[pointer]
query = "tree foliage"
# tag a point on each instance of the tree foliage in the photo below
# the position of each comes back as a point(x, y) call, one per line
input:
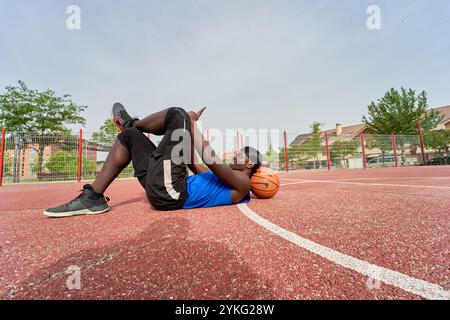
point(63, 162)
point(107, 134)
point(41, 112)
point(7, 164)
point(271, 155)
point(382, 142)
point(438, 140)
point(313, 147)
point(398, 111)
point(296, 154)
point(339, 150)
point(26, 110)
point(314, 144)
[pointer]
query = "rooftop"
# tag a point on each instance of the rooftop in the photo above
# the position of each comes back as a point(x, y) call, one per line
point(352, 131)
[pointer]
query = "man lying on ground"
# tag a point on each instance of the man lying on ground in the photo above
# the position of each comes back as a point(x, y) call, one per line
point(162, 170)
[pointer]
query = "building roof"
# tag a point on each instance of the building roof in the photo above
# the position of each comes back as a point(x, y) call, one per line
point(350, 132)
point(300, 139)
point(445, 112)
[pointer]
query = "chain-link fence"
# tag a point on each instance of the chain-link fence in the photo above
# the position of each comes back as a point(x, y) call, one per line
point(353, 151)
point(29, 157)
point(358, 151)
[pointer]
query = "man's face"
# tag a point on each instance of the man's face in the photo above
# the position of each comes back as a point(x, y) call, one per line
point(240, 161)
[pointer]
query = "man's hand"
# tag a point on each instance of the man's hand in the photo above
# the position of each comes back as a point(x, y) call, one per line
point(196, 115)
point(238, 181)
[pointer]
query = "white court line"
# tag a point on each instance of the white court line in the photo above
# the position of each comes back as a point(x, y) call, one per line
point(371, 178)
point(299, 181)
point(416, 286)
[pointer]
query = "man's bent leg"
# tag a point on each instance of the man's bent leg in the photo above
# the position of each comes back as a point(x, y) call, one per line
point(154, 123)
point(130, 145)
point(167, 172)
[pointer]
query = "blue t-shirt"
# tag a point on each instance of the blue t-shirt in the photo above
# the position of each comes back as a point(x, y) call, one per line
point(207, 190)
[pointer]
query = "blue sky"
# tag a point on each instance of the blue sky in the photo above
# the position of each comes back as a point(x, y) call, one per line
point(254, 64)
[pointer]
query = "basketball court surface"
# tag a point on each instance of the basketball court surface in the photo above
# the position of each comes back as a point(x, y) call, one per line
point(344, 234)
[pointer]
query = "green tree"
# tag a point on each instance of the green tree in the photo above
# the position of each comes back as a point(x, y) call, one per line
point(66, 163)
point(438, 140)
point(7, 164)
point(271, 155)
point(313, 147)
point(70, 142)
point(41, 112)
point(339, 150)
point(62, 162)
point(106, 135)
point(296, 155)
point(382, 142)
point(398, 112)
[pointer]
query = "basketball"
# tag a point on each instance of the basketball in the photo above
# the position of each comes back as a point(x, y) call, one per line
point(265, 183)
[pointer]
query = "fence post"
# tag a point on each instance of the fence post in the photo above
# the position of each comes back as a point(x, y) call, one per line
point(238, 140)
point(363, 151)
point(241, 139)
point(328, 151)
point(422, 148)
point(394, 145)
point(80, 155)
point(286, 155)
point(2, 154)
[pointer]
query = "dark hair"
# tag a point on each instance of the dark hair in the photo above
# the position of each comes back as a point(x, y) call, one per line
point(255, 157)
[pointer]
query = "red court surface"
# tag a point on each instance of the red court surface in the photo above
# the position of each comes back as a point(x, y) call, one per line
point(344, 234)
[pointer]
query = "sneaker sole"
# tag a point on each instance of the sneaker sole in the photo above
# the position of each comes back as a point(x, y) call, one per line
point(73, 213)
point(114, 119)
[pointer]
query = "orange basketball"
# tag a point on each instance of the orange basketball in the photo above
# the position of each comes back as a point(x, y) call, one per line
point(265, 183)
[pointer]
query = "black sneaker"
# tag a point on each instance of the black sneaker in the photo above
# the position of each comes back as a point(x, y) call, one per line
point(88, 202)
point(121, 117)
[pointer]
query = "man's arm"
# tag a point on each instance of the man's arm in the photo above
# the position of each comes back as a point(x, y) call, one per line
point(195, 165)
point(238, 181)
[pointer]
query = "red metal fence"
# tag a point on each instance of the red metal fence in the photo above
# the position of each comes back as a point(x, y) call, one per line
point(355, 152)
point(30, 157)
point(2, 154)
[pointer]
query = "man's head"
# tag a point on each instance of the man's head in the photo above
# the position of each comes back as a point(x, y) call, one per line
point(247, 159)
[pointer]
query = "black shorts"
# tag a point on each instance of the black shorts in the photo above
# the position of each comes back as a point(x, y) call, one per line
point(162, 170)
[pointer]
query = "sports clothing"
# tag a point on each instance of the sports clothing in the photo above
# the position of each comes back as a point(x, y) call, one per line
point(162, 174)
point(166, 182)
point(207, 190)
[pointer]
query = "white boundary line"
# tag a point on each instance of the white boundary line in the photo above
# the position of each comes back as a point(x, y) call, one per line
point(370, 178)
point(416, 286)
point(300, 181)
